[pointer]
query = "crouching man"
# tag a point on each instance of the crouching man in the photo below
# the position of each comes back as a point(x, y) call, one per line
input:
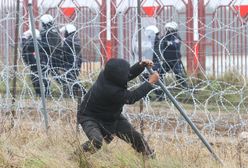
point(100, 111)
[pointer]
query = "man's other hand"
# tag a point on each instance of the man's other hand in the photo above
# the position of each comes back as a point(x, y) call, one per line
point(146, 63)
point(153, 78)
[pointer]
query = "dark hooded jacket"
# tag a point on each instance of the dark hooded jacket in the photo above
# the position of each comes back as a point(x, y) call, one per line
point(106, 98)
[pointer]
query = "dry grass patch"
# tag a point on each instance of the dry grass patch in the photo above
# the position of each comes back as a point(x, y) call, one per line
point(26, 147)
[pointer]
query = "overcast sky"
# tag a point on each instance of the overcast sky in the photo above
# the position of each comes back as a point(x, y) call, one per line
point(177, 3)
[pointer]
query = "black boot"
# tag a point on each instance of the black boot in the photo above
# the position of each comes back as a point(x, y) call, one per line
point(88, 147)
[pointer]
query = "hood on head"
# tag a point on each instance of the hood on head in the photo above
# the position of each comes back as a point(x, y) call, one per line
point(117, 71)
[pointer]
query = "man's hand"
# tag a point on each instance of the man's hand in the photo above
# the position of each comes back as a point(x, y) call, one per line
point(153, 78)
point(146, 63)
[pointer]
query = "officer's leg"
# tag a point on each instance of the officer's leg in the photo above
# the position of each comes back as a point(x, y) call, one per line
point(180, 76)
point(125, 131)
point(45, 72)
point(157, 67)
point(56, 67)
point(162, 71)
point(35, 79)
point(73, 78)
point(64, 82)
point(36, 84)
point(77, 89)
point(69, 79)
point(55, 72)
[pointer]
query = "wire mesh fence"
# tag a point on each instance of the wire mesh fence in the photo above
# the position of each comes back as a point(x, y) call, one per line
point(216, 100)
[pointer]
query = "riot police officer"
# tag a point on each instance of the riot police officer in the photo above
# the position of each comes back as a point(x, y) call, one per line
point(28, 55)
point(72, 60)
point(51, 45)
point(167, 55)
point(170, 50)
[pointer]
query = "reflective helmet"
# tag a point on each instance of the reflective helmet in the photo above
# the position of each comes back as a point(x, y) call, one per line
point(152, 28)
point(46, 19)
point(62, 29)
point(28, 33)
point(171, 26)
point(69, 28)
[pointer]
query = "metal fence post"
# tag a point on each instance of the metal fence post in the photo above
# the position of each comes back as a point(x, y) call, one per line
point(13, 112)
point(6, 64)
point(120, 35)
point(189, 37)
point(37, 56)
point(140, 58)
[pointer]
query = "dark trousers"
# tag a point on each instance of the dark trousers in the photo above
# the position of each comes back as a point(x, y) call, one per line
point(56, 68)
point(159, 92)
point(72, 85)
point(35, 79)
point(66, 76)
point(177, 67)
point(98, 132)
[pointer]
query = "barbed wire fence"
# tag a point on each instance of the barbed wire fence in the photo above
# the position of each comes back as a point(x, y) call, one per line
point(218, 107)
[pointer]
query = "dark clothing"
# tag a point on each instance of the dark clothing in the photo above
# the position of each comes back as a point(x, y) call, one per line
point(51, 46)
point(166, 49)
point(97, 132)
point(29, 59)
point(71, 85)
point(71, 49)
point(28, 51)
point(157, 56)
point(51, 53)
point(107, 96)
point(51, 41)
point(100, 111)
point(177, 68)
point(72, 61)
point(169, 47)
point(28, 54)
point(157, 52)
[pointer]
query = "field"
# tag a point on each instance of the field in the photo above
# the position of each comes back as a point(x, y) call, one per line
point(218, 109)
point(28, 145)
point(211, 37)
